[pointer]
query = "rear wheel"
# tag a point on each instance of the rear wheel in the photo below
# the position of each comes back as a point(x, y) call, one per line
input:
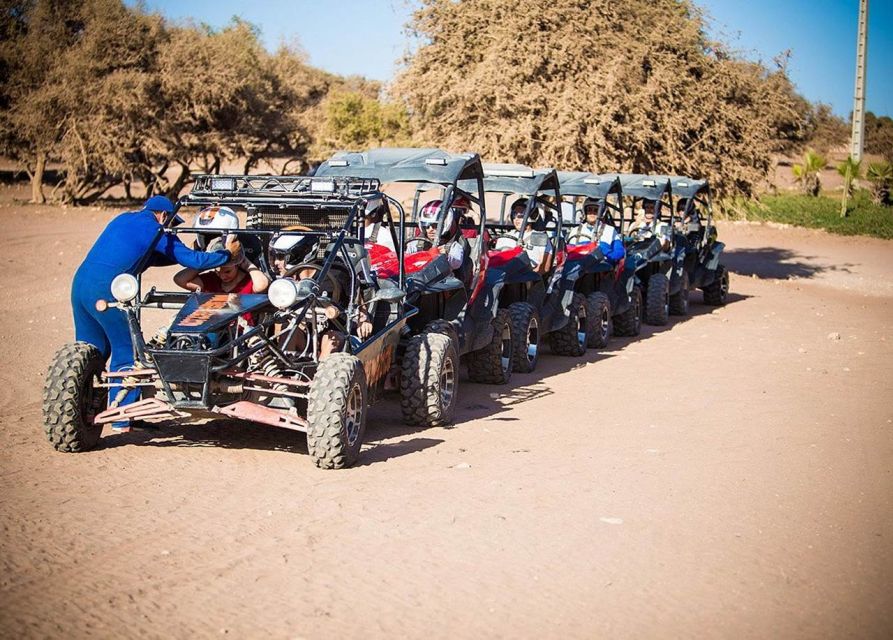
point(679, 300)
point(525, 336)
point(429, 380)
point(571, 340)
point(600, 325)
point(717, 292)
point(493, 363)
point(71, 400)
point(629, 323)
point(657, 300)
point(336, 411)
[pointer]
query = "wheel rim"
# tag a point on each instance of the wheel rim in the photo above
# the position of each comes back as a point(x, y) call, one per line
point(506, 352)
point(447, 383)
point(582, 338)
point(533, 340)
point(605, 324)
point(354, 415)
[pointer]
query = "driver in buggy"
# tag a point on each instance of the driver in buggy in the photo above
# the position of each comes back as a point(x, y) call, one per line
point(536, 243)
point(603, 231)
point(451, 243)
point(297, 256)
point(647, 226)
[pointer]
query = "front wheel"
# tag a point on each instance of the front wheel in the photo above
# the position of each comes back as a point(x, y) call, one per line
point(71, 399)
point(336, 411)
point(429, 380)
point(679, 300)
point(599, 320)
point(657, 300)
point(525, 336)
point(493, 363)
point(629, 323)
point(717, 292)
point(571, 340)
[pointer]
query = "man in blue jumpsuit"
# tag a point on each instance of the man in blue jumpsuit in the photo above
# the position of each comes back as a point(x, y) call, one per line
point(121, 248)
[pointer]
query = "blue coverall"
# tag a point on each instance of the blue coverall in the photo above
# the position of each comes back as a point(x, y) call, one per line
point(119, 249)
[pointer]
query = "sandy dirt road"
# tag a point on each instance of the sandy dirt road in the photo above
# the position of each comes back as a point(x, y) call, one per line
point(729, 475)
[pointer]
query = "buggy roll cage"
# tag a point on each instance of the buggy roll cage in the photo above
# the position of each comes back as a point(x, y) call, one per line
point(428, 166)
point(517, 179)
point(694, 192)
point(580, 184)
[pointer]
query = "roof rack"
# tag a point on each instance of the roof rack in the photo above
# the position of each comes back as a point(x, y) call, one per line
point(235, 187)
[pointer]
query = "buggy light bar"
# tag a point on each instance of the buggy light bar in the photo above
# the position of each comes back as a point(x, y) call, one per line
point(649, 183)
point(682, 184)
point(223, 184)
point(438, 162)
point(591, 181)
point(338, 163)
point(510, 173)
point(322, 186)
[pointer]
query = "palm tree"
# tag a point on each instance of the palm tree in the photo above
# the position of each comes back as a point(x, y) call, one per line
point(849, 169)
point(880, 175)
point(808, 173)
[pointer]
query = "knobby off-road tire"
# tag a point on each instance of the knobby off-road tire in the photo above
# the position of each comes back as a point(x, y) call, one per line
point(679, 300)
point(429, 380)
point(525, 336)
point(336, 411)
point(717, 292)
point(657, 300)
point(600, 324)
point(571, 340)
point(493, 363)
point(70, 401)
point(629, 323)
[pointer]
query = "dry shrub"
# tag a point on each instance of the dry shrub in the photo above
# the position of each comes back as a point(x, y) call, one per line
point(599, 85)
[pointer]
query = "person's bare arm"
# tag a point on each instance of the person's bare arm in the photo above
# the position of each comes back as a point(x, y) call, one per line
point(188, 279)
point(259, 280)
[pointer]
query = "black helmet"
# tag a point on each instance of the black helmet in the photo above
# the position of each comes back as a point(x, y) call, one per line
point(296, 248)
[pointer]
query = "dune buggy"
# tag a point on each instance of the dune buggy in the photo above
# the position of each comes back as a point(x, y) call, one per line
point(459, 304)
point(611, 289)
point(697, 239)
point(211, 361)
point(658, 268)
point(539, 303)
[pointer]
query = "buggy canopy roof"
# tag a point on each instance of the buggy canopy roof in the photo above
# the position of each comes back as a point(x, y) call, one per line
point(404, 165)
point(516, 178)
point(591, 185)
point(684, 187)
point(642, 186)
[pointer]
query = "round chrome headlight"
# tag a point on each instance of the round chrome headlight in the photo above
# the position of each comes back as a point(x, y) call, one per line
point(125, 287)
point(283, 293)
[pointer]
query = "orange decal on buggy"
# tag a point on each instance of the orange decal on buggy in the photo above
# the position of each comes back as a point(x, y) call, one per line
point(205, 312)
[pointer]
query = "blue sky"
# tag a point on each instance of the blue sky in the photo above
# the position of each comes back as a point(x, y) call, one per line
point(366, 37)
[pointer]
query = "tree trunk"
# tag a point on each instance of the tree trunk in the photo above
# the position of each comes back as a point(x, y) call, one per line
point(174, 191)
point(37, 196)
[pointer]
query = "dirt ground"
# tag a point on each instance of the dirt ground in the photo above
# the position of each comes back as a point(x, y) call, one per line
point(729, 475)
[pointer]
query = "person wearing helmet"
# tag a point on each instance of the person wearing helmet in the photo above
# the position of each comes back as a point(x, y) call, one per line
point(450, 243)
point(213, 218)
point(537, 244)
point(130, 243)
point(242, 277)
point(603, 231)
point(648, 225)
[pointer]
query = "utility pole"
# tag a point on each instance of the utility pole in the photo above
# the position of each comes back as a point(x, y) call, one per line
point(859, 98)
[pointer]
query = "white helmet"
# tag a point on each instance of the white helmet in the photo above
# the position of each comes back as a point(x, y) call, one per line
point(430, 214)
point(214, 217)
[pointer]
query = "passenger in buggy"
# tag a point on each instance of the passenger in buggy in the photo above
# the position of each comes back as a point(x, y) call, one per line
point(604, 232)
point(451, 243)
point(536, 243)
point(646, 226)
point(376, 230)
point(290, 251)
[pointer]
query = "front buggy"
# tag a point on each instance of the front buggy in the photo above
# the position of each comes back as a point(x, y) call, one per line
point(457, 303)
point(252, 357)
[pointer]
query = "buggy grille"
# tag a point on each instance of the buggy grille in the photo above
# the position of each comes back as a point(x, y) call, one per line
point(319, 219)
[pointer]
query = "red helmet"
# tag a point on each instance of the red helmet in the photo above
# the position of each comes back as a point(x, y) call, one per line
point(461, 203)
point(430, 214)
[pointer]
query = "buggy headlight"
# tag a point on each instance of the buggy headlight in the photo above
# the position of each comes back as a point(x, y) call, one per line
point(283, 293)
point(125, 287)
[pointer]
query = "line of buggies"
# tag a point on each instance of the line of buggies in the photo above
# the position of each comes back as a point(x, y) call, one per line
point(402, 242)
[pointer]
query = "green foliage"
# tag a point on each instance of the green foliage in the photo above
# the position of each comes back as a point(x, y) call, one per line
point(880, 175)
point(807, 173)
point(356, 121)
point(865, 217)
point(879, 135)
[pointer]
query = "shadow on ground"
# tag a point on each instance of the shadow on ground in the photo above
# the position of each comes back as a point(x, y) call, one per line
point(780, 264)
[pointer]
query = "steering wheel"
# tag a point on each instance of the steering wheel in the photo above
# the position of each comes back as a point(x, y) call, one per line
point(429, 243)
point(337, 289)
